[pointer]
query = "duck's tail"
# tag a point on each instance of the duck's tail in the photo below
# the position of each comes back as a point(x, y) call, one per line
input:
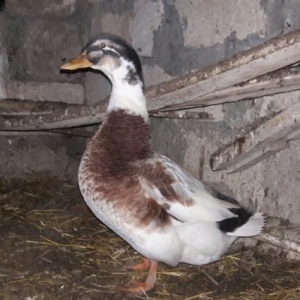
point(248, 222)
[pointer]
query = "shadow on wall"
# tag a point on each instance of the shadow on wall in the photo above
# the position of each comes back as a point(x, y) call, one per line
point(2, 5)
point(3, 57)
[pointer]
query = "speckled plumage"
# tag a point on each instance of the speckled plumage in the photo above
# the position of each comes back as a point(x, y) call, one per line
point(163, 212)
point(138, 193)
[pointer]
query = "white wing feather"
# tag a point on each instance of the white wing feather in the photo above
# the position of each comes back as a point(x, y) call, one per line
point(204, 206)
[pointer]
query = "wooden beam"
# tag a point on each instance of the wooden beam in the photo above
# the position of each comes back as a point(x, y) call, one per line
point(77, 132)
point(280, 81)
point(284, 237)
point(268, 138)
point(30, 115)
point(183, 114)
point(268, 57)
point(214, 85)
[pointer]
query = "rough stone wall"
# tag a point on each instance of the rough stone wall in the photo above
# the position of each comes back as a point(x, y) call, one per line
point(176, 36)
point(36, 36)
point(42, 34)
point(3, 58)
point(43, 153)
point(195, 34)
point(172, 37)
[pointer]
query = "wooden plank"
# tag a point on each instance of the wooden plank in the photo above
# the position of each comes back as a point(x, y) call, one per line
point(285, 237)
point(270, 56)
point(280, 81)
point(183, 114)
point(30, 115)
point(183, 91)
point(77, 132)
point(268, 138)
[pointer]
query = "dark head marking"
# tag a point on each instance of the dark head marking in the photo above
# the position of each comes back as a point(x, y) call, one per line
point(115, 46)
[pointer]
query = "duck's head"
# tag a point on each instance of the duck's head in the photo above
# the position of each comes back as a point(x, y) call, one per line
point(120, 63)
point(113, 56)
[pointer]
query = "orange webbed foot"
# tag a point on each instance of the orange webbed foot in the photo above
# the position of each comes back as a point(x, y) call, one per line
point(136, 288)
point(144, 265)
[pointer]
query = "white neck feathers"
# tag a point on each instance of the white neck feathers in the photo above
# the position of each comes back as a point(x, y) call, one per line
point(125, 95)
point(130, 98)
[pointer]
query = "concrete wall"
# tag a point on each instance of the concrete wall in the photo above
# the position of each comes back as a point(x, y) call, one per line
point(176, 36)
point(36, 36)
point(57, 155)
point(42, 34)
point(201, 33)
point(3, 58)
point(172, 37)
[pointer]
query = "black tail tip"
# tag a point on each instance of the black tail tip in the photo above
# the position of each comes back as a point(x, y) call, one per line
point(231, 224)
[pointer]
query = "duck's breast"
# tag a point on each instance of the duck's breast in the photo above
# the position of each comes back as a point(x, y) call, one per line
point(121, 204)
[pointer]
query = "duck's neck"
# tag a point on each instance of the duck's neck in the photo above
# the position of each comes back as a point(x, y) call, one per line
point(122, 139)
point(124, 135)
point(129, 98)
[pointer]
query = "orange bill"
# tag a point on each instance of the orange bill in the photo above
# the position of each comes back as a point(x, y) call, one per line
point(78, 62)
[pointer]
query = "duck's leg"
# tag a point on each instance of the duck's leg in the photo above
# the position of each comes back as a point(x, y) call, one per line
point(135, 288)
point(144, 265)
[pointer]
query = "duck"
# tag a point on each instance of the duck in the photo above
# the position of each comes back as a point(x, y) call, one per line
point(158, 208)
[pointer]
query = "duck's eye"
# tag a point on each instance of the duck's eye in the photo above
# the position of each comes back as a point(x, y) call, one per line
point(103, 45)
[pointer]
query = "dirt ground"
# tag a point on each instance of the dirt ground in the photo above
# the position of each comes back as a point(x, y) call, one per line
point(52, 247)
